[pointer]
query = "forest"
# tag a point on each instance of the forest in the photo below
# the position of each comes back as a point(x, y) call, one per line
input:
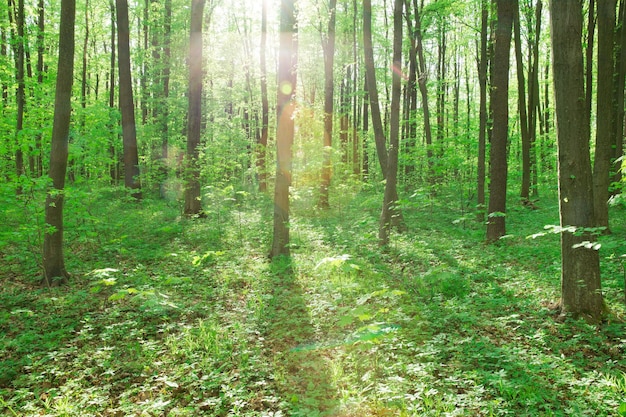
point(312, 208)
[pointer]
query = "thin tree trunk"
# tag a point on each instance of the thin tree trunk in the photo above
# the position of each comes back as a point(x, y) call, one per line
point(193, 197)
point(521, 104)
point(129, 130)
point(372, 89)
point(591, 30)
point(391, 195)
point(265, 109)
point(482, 128)
point(422, 80)
point(496, 225)
point(114, 164)
point(329, 95)
point(20, 76)
point(83, 83)
point(533, 99)
point(411, 96)
point(285, 130)
point(53, 258)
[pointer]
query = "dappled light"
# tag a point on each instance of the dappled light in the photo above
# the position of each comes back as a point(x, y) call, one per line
point(274, 208)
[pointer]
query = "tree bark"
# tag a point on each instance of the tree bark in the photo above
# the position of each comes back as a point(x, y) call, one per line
point(20, 77)
point(422, 81)
point(329, 95)
point(580, 274)
point(372, 89)
point(496, 225)
point(53, 258)
point(129, 129)
point(286, 94)
point(391, 195)
point(482, 128)
point(265, 109)
point(604, 113)
point(193, 197)
point(523, 114)
point(620, 81)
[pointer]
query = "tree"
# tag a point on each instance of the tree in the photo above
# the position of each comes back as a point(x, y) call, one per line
point(193, 199)
point(329, 95)
point(391, 194)
point(580, 265)
point(53, 259)
point(422, 81)
point(129, 129)
point(285, 127)
point(523, 112)
point(482, 128)
point(265, 108)
point(500, 101)
point(372, 89)
point(18, 43)
point(604, 121)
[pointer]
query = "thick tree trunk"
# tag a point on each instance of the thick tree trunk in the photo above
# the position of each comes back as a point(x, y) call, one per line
point(496, 225)
point(329, 95)
point(287, 65)
point(193, 197)
point(53, 259)
point(580, 274)
point(129, 129)
point(604, 117)
point(391, 195)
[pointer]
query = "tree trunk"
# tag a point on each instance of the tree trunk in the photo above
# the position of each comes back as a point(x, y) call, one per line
point(53, 259)
point(533, 98)
point(20, 77)
point(329, 95)
point(411, 96)
point(114, 168)
point(580, 273)
point(129, 130)
point(482, 128)
point(287, 65)
point(591, 30)
point(372, 89)
point(265, 108)
point(422, 80)
point(604, 114)
point(83, 83)
point(496, 226)
point(391, 195)
point(620, 81)
point(193, 197)
point(523, 114)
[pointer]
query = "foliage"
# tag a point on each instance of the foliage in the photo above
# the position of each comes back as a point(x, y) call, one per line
point(166, 314)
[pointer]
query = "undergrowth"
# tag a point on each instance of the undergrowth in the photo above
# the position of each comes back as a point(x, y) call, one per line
point(173, 316)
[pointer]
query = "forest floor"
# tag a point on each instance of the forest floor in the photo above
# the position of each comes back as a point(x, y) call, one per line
point(169, 316)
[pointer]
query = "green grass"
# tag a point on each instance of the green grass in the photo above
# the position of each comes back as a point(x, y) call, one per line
point(173, 316)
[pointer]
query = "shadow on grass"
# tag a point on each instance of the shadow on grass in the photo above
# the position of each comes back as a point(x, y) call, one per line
point(302, 375)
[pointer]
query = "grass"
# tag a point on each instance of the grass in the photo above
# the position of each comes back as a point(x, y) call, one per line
point(173, 316)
